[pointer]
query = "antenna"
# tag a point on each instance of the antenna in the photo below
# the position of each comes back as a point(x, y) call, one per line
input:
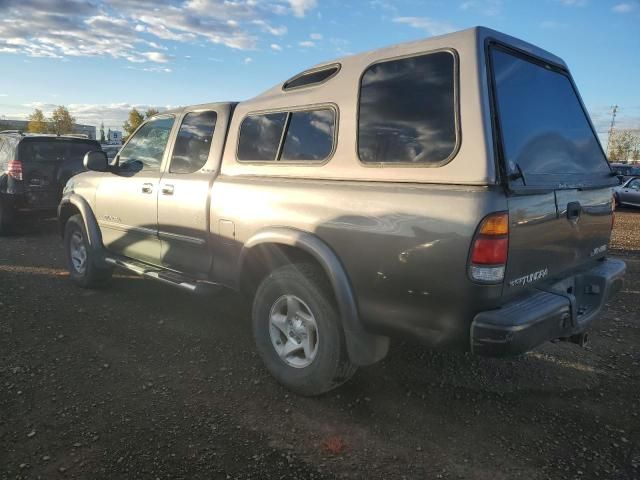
point(614, 111)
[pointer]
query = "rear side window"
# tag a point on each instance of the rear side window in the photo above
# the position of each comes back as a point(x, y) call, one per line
point(288, 136)
point(309, 136)
point(194, 142)
point(260, 136)
point(544, 130)
point(407, 111)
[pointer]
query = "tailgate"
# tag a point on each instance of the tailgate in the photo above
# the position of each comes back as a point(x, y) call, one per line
point(48, 162)
point(558, 178)
point(555, 232)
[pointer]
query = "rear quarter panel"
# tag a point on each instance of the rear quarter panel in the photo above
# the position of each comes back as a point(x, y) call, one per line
point(404, 246)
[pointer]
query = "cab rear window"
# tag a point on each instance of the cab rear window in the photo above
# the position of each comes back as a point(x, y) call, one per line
point(545, 132)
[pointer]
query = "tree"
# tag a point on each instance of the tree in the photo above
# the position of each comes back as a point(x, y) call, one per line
point(623, 145)
point(151, 112)
point(102, 139)
point(62, 121)
point(37, 122)
point(134, 121)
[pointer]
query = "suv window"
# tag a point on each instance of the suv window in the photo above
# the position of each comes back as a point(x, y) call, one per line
point(145, 149)
point(194, 142)
point(544, 129)
point(407, 110)
point(309, 136)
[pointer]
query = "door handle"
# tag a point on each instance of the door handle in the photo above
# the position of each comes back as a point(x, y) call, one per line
point(574, 209)
point(147, 188)
point(167, 189)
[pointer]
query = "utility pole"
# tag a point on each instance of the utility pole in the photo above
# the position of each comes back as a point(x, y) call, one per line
point(614, 111)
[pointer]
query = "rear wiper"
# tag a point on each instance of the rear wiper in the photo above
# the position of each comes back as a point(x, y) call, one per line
point(518, 174)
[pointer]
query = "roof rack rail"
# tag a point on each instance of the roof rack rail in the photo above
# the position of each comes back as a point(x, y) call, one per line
point(75, 135)
point(19, 132)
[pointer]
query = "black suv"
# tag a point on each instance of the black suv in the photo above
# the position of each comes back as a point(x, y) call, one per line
point(33, 171)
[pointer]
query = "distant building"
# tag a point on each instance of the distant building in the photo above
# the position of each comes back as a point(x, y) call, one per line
point(114, 137)
point(22, 125)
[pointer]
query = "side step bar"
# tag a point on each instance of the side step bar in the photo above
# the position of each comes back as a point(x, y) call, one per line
point(165, 276)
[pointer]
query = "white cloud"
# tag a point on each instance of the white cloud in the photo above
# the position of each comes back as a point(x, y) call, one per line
point(155, 57)
point(307, 44)
point(4, 94)
point(300, 7)
point(316, 36)
point(574, 3)
point(247, 60)
point(276, 47)
point(432, 27)
point(279, 31)
point(624, 7)
point(127, 30)
point(552, 25)
point(485, 7)
point(112, 114)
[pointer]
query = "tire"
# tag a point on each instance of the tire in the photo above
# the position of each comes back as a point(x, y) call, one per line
point(289, 295)
point(85, 274)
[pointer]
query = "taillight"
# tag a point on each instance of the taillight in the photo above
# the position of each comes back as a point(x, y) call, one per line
point(488, 256)
point(15, 169)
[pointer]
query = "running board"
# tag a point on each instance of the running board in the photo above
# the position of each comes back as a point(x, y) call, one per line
point(165, 276)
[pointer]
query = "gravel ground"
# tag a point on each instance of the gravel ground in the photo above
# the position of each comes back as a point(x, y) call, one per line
point(142, 381)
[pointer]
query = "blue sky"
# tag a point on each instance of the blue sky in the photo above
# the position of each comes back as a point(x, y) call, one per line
point(99, 58)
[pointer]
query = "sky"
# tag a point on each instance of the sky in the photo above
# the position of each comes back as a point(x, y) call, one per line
point(100, 58)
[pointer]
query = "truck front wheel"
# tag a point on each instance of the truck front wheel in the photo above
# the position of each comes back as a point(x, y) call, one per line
point(80, 258)
point(298, 332)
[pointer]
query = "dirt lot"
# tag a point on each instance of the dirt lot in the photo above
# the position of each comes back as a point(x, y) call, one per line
point(141, 381)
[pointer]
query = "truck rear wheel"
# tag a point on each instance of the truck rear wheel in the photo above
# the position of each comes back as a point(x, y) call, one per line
point(298, 331)
point(80, 258)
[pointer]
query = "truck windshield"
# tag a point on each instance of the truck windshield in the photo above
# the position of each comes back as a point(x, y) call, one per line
point(546, 135)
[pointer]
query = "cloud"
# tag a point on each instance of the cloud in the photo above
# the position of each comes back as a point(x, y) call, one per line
point(276, 47)
point(112, 114)
point(574, 3)
point(247, 60)
point(432, 27)
point(128, 30)
point(490, 8)
point(279, 31)
point(624, 7)
point(307, 44)
point(316, 36)
point(155, 57)
point(300, 7)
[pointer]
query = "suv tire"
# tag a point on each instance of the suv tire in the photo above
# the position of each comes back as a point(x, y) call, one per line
point(80, 258)
point(298, 331)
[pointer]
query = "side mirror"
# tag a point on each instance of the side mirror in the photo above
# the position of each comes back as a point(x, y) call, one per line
point(96, 161)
